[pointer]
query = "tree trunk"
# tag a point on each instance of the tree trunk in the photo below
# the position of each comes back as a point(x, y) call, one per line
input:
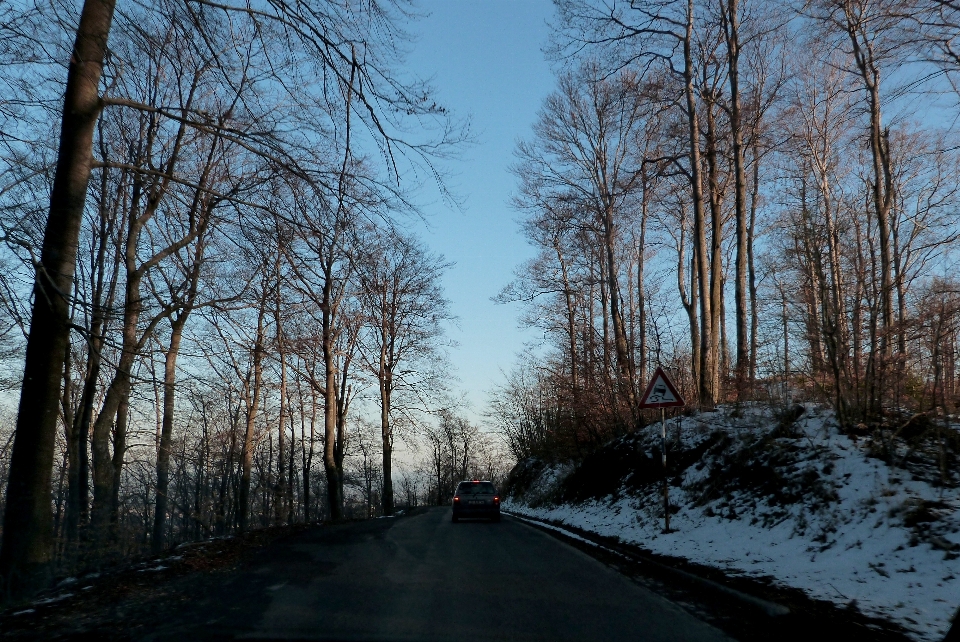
point(72, 439)
point(308, 455)
point(116, 462)
point(200, 524)
point(253, 404)
point(716, 249)
point(27, 547)
point(334, 496)
point(626, 377)
point(882, 184)
point(292, 478)
point(605, 311)
point(279, 489)
point(641, 291)
point(752, 272)
point(57, 520)
point(571, 325)
point(166, 432)
point(689, 302)
point(386, 434)
point(707, 388)
point(107, 468)
point(343, 408)
point(786, 349)
point(731, 20)
point(85, 416)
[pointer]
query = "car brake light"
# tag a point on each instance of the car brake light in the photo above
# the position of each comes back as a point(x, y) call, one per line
point(456, 499)
point(496, 500)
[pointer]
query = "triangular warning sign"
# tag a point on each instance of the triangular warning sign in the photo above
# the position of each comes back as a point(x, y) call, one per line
point(661, 393)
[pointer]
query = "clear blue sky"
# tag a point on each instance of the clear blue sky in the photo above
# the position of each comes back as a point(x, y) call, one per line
point(486, 61)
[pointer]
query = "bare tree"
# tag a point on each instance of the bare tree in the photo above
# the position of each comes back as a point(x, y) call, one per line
point(584, 155)
point(404, 309)
point(184, 299)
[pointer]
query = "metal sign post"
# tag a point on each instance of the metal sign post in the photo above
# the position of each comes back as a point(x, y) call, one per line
point(666, 486)
point(661, 393)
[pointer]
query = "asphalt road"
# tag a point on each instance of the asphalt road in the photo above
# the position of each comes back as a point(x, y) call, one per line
point(422, 577)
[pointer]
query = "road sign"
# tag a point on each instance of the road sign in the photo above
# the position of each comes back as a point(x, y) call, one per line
point(661, 393)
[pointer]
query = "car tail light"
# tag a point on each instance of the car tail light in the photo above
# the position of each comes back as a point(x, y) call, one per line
point(456, 499)
point(496, 500)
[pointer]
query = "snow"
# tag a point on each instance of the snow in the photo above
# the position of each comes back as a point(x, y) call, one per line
point(51, 600)
point(846, 541)
point(192, 544)
point(569, 534)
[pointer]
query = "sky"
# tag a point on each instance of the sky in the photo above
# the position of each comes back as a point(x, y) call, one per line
point(486, 62)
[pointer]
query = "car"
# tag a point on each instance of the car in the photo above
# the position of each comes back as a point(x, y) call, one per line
point(476, 498)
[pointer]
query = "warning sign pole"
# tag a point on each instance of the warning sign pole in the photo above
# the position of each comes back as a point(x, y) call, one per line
point(661, 393)
point(666, 491)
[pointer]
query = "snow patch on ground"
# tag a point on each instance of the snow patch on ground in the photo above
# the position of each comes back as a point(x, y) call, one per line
point(50, 600)
point(860, 532)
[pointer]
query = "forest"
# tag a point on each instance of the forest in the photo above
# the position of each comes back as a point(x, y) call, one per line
point(760, 197)
point(214, 314)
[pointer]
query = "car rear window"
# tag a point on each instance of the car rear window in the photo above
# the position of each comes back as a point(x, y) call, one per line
point(478, 488)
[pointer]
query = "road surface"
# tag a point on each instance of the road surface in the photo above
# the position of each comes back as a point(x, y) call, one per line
point(424, 578)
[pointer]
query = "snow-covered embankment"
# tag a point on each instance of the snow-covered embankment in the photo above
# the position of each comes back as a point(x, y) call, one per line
point(802, 504)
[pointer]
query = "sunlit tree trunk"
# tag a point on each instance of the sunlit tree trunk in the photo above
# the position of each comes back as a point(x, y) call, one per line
point(708, 354)
point(166, 431)
point(252, 392)
point(27, 547)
